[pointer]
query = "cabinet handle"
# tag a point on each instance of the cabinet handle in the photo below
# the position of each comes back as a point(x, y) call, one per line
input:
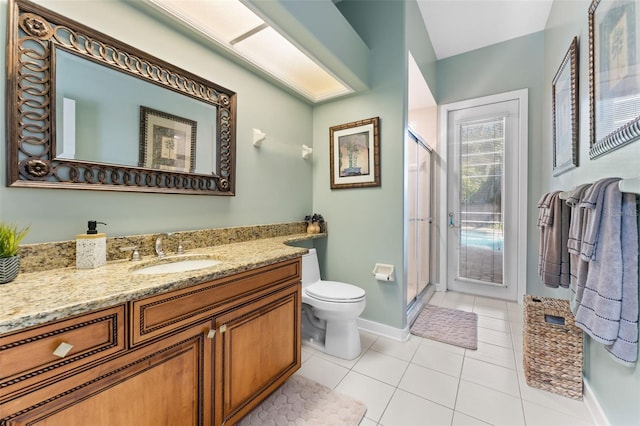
point(62, 350)
point(211, 334)
point(223, 328)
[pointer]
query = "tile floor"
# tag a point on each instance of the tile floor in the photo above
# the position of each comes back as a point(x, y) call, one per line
point(424, 382)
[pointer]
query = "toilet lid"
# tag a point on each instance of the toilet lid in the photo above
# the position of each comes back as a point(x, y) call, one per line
point(332, 291)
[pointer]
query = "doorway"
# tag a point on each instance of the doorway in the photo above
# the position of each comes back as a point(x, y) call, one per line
point(486, 175)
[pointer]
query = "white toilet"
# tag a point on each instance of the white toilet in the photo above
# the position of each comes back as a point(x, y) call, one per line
point(329, 311)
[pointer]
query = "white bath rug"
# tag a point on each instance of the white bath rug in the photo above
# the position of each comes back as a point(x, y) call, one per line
point(447, 325)
point(301, 401)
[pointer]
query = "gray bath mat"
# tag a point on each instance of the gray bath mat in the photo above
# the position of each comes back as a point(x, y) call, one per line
point(301, 401)
point(447, 325)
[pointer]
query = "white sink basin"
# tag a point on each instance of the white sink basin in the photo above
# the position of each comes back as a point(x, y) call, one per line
point(177, 266)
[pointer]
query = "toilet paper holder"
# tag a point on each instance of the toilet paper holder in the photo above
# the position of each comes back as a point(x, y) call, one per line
point(383, 272)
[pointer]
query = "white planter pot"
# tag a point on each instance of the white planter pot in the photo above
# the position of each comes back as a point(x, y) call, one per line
point(9, 268)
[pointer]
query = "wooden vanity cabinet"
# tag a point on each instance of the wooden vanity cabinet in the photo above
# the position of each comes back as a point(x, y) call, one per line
point(202, 355)
point(167, 382)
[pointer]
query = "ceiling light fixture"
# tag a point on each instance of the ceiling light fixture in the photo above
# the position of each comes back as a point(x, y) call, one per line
point(237, 29)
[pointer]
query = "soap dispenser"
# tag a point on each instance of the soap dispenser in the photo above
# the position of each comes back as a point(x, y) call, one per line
point(91, 248)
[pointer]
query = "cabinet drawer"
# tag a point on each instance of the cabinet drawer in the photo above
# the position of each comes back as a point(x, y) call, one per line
point(38, 355)
point(168, 382)
point(164, 313)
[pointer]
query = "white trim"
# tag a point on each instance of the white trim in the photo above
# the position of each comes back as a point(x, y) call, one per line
point(401, 334)
point(522, 96)
point(593, 405)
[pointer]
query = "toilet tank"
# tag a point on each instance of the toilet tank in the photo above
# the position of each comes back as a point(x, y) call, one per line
point(310, 268)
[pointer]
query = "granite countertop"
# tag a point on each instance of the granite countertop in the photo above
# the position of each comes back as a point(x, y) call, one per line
point(38, 297)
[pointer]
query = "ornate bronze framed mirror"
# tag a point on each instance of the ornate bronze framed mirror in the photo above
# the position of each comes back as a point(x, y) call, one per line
point(67, 128)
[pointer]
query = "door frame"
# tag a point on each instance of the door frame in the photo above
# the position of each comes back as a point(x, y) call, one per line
point(522, 96)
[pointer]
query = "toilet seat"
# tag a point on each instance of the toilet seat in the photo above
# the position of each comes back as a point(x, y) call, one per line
point(337, 292)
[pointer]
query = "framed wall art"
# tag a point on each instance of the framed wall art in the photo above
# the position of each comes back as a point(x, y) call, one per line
point(564, 95)
point(354, 150)
point(167, 142)
point(614, 74)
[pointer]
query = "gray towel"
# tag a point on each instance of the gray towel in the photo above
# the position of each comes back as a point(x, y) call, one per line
point(543, 219)
point(554, 257)
point(592, 203)
point(577, 215)
point(612, 278)
point(578, 267)
point(625, 347)
point(544, 212)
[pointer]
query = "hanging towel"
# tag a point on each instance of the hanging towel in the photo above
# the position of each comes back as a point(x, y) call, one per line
point(578, 267)
point(625, 348)
point(543, 218)
point(612, 274)
point(575, 197)
point(543, 206)
point(554, 257)
point(543, 221)
point(592, 203)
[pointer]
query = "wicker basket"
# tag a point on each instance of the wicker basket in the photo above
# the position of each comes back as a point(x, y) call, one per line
point(552, 347)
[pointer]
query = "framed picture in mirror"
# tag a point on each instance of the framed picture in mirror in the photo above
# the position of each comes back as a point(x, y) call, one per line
point(167, 142)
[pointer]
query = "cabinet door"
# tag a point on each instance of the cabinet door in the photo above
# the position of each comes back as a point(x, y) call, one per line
point(165, 383)
point(258, 349)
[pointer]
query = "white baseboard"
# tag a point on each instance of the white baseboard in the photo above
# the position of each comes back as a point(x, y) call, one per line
point(594, 407)
point(383, 330)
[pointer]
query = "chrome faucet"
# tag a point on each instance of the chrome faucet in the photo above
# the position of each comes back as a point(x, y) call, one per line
point(159, 248)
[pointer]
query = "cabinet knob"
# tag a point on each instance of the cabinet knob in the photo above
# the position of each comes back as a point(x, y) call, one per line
point(223, 328)
point(211, 334)
point(62, 350)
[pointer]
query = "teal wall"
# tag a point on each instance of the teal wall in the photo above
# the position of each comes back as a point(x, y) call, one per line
point(616, 387)
point(273, 182)
point(366, 224)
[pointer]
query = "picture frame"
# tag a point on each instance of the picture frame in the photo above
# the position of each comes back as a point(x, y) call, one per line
point(354, 150)
point(614, 74)
point(564, 95)
point(167, 142)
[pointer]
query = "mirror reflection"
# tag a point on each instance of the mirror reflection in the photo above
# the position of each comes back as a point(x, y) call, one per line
point(100, 119)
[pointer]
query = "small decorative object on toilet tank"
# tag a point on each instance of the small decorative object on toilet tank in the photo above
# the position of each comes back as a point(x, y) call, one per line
point(91, 248)
point(314, 223)
point(10, 238)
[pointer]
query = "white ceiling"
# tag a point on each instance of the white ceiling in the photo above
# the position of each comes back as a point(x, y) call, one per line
point(458, 26)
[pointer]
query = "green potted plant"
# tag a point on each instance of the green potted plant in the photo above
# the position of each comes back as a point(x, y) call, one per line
point(10, 238)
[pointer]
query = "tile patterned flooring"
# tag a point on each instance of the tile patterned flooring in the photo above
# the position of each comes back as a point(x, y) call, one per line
point(424, 382)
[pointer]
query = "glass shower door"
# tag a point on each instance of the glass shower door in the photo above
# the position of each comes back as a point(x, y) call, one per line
point(420, 171)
